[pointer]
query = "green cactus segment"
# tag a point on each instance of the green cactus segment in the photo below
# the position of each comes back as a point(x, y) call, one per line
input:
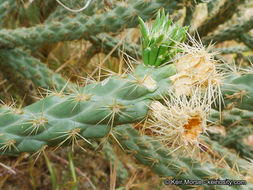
point(111, 156)
point(189, 13)
point(151, 153)
point(31, 131)
point(232, 117)
point(6, 6)
point(232, 50)
point(35, 11)
point(33, 69)
point(225, 12)
point(235, 139)
point(230, 157)
point(212, 6)
point(83, 25)
point(159, 43)
point(91, 111)
point(238, 89)
point(247, 40)
point(102, 42)
point(230, 32)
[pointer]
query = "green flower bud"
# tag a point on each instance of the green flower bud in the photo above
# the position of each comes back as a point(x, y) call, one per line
point(159, 43)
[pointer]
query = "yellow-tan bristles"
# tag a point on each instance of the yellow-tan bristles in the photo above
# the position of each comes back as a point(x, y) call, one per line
point(196, 69)
point(180, 121)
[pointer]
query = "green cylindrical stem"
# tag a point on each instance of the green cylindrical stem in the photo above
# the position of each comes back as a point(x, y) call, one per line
point(92, 110)
point(238, 90)
point(234, 49)
point(159, 158)
point(33, 69)
point(247, 40)
point(235, 139)
point(102, 42)
point(212, 6)
point(82, 25)
point(226, 11)
point(230, 32)
point(231, 158)
point(112, 157)
point(232, 117)
point(189, 13)
point(6, 6)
